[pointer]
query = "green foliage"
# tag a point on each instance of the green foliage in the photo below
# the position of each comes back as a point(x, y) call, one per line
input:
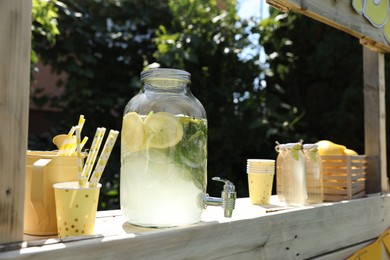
point(104, 44)
point(44, 26)
point(310, 86)
point(318, 70)
point(102, 55)
point(102, 47)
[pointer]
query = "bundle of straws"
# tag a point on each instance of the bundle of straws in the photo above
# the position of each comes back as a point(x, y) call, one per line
point(68, 146)
point(84, 171)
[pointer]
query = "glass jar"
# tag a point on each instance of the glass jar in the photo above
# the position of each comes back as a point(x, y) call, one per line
point(281, 150)
point(163, 152)
point(313, 165)
point(294, 179)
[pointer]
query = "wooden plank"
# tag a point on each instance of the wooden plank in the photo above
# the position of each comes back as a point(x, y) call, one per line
point(375, 121)
point(349, 180)
point(338, 14)
point(15, 31)
point(297, 233)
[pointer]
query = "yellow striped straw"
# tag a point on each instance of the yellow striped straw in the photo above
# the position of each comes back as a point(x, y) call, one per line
point(101, 164)
point(97, 141)
point(84, 141)
point(81, 122)
point(72, 150)
point(79, 159)
point(70, 146)
point(64, 145)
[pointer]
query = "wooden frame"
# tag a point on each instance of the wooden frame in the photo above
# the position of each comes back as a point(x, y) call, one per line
point(375, 121)
point(15, 42)
point(338, 14)
point(328, 231)
point(341, 15)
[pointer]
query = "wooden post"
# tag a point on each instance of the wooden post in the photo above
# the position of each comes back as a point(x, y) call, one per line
point(375, 120)
point(15, 44)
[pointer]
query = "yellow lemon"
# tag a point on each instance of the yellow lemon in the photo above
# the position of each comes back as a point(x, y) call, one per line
point(133, 133)
point(162, 130)
point(350, 152)
point(326, 147)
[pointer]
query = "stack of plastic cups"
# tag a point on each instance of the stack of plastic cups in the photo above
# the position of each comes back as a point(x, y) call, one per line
point(260, 179)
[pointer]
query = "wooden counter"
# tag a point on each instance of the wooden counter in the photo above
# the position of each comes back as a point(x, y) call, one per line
point(326, 231)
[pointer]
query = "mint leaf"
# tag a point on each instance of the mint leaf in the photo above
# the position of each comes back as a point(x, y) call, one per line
point(295, 151)
point(191, 151)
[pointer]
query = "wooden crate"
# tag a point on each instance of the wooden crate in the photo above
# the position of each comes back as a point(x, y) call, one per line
point(344, 177)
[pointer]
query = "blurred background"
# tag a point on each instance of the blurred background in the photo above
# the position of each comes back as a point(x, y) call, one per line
point(262, 75)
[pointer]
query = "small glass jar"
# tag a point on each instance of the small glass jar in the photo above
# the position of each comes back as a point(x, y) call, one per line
point(313, 165)
point(282, 151)
point(293, 172)
point(163, 152)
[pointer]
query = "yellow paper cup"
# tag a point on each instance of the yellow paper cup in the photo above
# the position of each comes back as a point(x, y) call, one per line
point(76, 208)
point(260, 187)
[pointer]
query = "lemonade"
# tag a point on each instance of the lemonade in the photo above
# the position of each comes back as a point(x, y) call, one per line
point(163, 169)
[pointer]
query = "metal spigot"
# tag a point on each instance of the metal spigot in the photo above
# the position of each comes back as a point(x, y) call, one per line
point(227, 200)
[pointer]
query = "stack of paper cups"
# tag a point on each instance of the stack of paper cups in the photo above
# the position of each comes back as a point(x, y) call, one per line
point(260, 178)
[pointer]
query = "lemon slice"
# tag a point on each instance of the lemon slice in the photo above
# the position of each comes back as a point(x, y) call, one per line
point(163, 130)
point(133, 133)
